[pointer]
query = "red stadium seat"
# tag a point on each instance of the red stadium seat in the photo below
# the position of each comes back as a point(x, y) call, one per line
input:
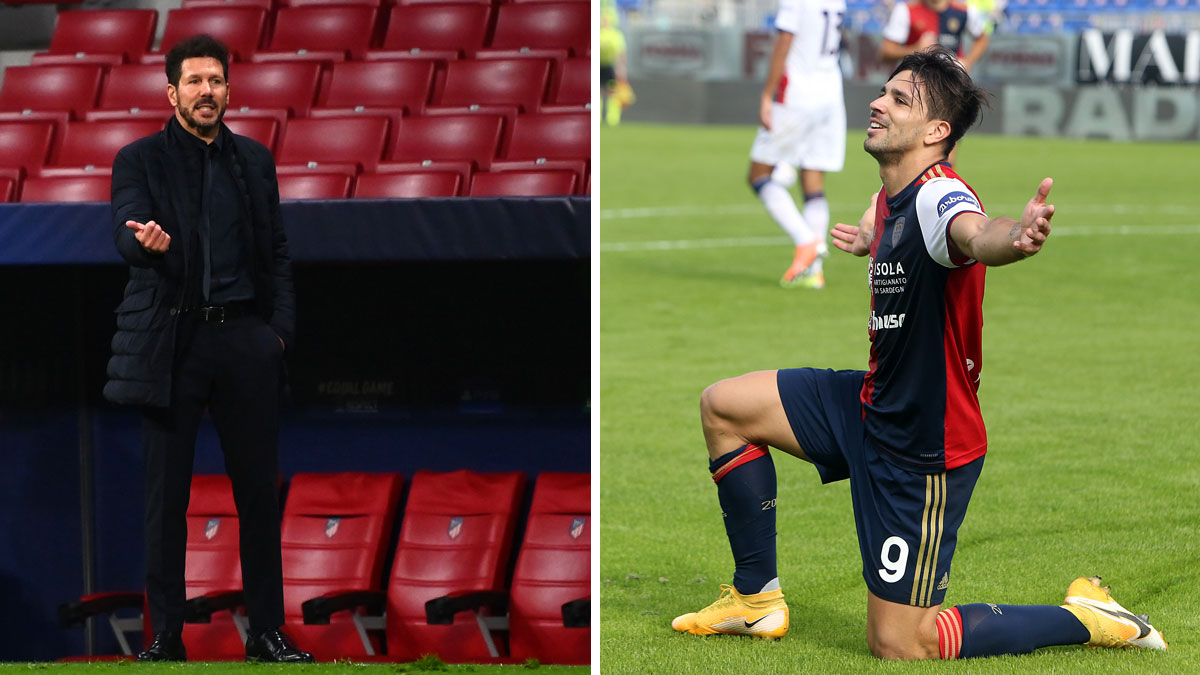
point(314, 185)
point(358, 140)
point(327, 3)
point(78, 59)
point(409, 184)
point(25, 144)
point(550, 136)
point(382, 84)
point(572, 83)
point(543, 25)
point(136, 87)
point(213, 568)
point(241, 28)
point(529, 183)
point(461, 168)
point(95, 144)
point(345, 28)
point(456, 537)
point(519, 82)
point(579, 167)
point(290, 86)
point(336, 531)
point(213, 565)
point(265, 130)
point(549, 604)
point(470, 138)
point(71, 88)
point(257, 4)
point(553, 569)
point(461, 26)
point(8, 185)
point(127, 32)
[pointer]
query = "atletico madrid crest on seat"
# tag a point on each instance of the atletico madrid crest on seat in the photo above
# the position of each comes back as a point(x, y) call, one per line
point(455, 528)
point(210, 530)
point(331, 527)
point(577, 527)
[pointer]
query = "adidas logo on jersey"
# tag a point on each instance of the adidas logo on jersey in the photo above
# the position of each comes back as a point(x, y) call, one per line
point(945, 582)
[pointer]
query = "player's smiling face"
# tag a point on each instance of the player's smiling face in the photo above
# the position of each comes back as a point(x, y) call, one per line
point(200, 96)
point(898, 120)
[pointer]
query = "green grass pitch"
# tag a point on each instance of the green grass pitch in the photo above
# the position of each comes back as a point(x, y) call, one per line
point(1090, 383)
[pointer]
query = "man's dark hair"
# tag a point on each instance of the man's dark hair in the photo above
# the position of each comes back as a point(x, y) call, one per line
point(197, 46)
point(948, 91)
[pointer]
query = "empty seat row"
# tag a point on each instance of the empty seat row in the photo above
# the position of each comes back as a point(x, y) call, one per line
point(298, 89)
point(398, 184)
point(457, 143)
point(453, 553)
point(331, 32)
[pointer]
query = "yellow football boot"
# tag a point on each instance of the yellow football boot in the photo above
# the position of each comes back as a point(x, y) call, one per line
point(761, 615)
point(1108, 623)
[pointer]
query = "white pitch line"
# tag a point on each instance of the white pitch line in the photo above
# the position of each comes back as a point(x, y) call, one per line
point(749, 242)
point(756, 208)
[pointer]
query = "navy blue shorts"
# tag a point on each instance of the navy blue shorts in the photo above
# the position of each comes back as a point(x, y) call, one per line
point(907, 520)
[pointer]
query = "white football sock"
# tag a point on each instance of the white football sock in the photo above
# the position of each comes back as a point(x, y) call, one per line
point(816, 214)
point(783, 209)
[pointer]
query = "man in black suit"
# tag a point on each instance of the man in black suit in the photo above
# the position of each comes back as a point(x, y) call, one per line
point(207, 314)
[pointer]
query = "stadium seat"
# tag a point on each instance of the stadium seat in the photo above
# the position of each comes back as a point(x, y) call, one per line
point(240, 27)
point(543, 25)
point(553, 570)
point(549, 603)
point(212, 567)
point(267, 5)
point(461, 26)
point(9, 180)
point(135, 88)
point(408, 184)
point(126, 32)
point(59, 88)
point(456, 537)
point(290, 86)
point(461, 168)
point(530, 183)
point(578, 167)
point(336, 532)
point(350, 29)
point(358, 140)
point(470, 138)
point(519, 82)
point(265, 130)
point(571, 83)
point(25, 144)
point(95, 144)
point(314, 185)
point(378, 84)
point(550, 136)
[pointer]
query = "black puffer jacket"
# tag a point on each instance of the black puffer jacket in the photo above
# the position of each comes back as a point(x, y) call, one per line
point(155, 179)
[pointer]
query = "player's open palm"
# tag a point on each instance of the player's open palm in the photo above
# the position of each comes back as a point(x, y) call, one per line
point(856, 239)
point(1035, 220)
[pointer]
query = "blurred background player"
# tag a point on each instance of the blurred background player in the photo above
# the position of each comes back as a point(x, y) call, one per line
point(917, 24)
point(614, 79)
point(803, 118)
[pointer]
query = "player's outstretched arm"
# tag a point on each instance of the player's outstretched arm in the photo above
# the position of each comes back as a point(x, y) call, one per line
point(856, 239)
point(999, 241)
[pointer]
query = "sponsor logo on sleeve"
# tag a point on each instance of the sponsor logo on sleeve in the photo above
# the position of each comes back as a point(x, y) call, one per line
point(954, 199)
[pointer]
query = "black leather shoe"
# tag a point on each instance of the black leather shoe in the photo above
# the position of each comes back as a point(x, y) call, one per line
point(275, 647)
point(167, 646)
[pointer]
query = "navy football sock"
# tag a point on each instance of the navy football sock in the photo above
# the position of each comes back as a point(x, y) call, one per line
point(746, 488)
point(989, 630)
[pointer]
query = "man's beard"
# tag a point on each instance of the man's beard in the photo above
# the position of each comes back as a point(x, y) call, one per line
point(202, 127)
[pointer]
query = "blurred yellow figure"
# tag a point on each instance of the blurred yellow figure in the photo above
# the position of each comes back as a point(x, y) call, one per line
point(614, 81)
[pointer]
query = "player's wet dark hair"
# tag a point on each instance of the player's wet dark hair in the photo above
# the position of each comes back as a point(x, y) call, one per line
point(196, 46)
point(947, 90)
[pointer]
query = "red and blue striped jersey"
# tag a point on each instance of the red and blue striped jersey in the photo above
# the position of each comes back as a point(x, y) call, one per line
point(919, 394)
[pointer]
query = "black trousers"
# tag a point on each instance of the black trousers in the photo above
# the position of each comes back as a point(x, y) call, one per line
point(232, 369)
